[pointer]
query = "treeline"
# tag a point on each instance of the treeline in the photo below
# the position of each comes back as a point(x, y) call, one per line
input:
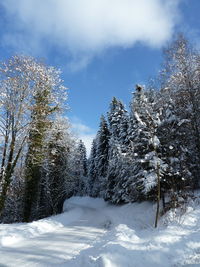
point(36, 147)
point(153, 151)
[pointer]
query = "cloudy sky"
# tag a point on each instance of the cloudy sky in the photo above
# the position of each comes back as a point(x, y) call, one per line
point(103, 47)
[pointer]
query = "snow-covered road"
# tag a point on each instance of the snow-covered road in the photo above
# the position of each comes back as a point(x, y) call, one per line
point(52, 242)
point(92, 233)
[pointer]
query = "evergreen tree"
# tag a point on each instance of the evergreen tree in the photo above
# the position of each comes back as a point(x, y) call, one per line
point(80, 168)
point(57, 184)
point(118, 126)
point(146, 147)
point(92, 168)
point(118, 121)
point(35, 155)
point(172, 135)
point(101, 158)
point(114, 170)
point(45, 104)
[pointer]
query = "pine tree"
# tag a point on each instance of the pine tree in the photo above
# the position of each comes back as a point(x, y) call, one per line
point(47, 90)
point(92, 168)
point(101, 158)
point(35, 155)
point(118, 126)
point(146, 147)
point(114, 170)
point(172, 135)
point(81, 168)
point(57, 183)
point(118, 121)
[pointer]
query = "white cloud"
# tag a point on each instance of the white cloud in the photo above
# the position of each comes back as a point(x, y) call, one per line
point(88, 27)
point(83, 132)
point(87, 140)
point(80, 128)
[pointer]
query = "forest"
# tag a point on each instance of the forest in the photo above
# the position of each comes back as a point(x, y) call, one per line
point(149, 152)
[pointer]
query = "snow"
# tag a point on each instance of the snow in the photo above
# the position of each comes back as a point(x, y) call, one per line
point(138, 118)
point(92, 232)
point(155, 141)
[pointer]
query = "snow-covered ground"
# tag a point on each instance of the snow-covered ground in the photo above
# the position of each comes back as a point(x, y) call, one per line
point(93, 233)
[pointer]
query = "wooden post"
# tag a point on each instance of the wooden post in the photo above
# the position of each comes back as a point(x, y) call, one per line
point(158, 194)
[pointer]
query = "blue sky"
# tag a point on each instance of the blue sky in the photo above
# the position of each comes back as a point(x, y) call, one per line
point(103, 47)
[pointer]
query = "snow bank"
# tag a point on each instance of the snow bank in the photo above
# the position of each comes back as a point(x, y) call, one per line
point(10, 234)
point(93, 233)
point(131, 239)
point(13, 233)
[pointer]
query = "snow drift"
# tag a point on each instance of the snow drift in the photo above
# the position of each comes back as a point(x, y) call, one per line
point(92, 232)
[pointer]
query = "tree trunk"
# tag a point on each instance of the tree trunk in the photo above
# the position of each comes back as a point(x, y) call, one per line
point(8, 173)
point(6, 139)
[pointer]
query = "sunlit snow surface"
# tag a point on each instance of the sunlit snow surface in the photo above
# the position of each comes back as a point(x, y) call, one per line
point(93, 233)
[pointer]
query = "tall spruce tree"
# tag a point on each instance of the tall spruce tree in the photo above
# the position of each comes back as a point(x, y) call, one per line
point(173, 138)
point(81, 168)
point(92, 168)
point(146, 147)
point(118, 126)
point(47, 91)
point(57, 184)
point(35, 155)
point(101, 158)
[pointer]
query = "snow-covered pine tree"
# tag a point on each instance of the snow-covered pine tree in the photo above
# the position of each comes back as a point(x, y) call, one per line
point(148, 162)
point(172, 134)
point(80, 168)
point(57, 183)
point(118, 126)
point(35, 156)
point(117, 173)
point(49, 95)
point(92, 168)
point(118, 121)
point(101, 158)
point(126, 186)
point(123, 125)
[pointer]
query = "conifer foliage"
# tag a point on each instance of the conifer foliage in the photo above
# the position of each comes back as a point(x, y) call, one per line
point(151, 152)
point(80, 168)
